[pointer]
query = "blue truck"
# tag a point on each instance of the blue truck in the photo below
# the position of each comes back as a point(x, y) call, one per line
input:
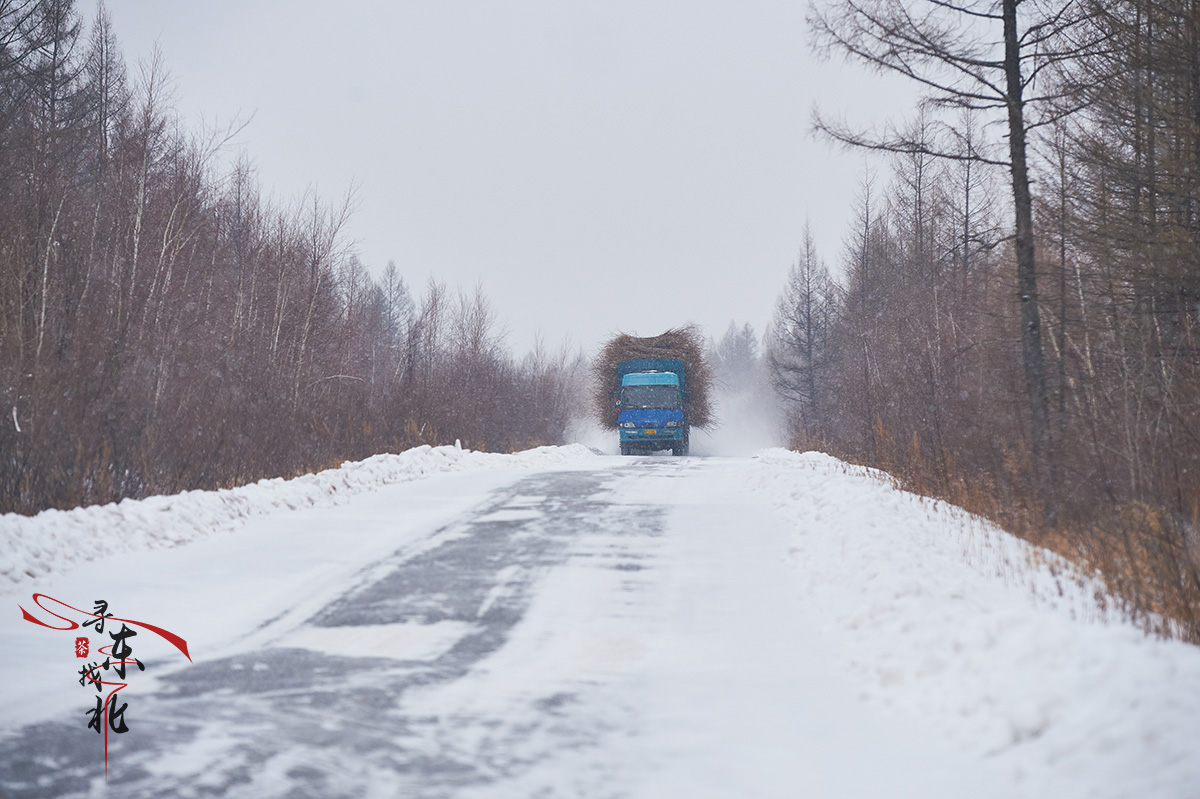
point(652, 406)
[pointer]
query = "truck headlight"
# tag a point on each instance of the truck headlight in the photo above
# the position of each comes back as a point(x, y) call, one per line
point(672, 424)
point(628, 424)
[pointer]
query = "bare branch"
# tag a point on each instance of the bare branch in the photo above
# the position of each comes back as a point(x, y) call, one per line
point(892, 142)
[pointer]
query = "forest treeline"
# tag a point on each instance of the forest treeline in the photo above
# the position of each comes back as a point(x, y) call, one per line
point(164, 327)
point(915, 359)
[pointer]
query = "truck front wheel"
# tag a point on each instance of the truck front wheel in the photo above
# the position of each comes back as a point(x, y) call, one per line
point(625, 448)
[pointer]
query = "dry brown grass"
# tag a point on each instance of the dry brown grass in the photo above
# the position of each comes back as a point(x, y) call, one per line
point(682, 344)
point(1141, 551)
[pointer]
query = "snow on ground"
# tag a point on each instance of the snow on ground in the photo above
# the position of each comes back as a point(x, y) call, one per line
point(228, 594)
point(1001, 645)
point(789, 626)
point(698, 669)
point(54, 540)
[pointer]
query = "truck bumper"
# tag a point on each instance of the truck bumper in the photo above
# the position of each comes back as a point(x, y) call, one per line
point(664, 434)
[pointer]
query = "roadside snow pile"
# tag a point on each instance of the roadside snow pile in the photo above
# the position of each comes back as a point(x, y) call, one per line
point(1001, 644)
point(55, 540)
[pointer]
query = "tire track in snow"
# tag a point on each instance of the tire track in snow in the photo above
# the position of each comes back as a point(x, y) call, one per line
point(325, 712)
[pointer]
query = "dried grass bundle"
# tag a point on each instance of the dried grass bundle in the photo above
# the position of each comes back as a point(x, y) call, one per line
point(682, 344)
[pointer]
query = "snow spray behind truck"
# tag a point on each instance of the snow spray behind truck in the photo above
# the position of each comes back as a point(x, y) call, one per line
point(654, 390)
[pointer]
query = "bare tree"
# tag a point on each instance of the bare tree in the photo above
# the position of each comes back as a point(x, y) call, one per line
point(162, 327)
point(987, 56)
point(796, 354)
point(735, 356)
point(399, 301)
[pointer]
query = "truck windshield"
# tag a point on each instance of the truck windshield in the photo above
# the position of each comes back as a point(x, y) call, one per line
point(641, 397)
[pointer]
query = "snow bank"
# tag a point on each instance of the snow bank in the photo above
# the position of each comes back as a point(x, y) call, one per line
point(54, 540)
point(999, 643)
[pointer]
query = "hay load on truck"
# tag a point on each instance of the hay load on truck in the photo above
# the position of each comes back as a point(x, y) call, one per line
point(652, 391)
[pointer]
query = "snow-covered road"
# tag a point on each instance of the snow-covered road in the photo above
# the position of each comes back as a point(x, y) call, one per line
point(783, 626)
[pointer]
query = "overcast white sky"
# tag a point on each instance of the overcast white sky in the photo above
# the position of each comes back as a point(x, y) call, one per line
point(595, 166)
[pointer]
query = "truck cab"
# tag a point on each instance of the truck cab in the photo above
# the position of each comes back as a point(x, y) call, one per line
point(650, 406)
